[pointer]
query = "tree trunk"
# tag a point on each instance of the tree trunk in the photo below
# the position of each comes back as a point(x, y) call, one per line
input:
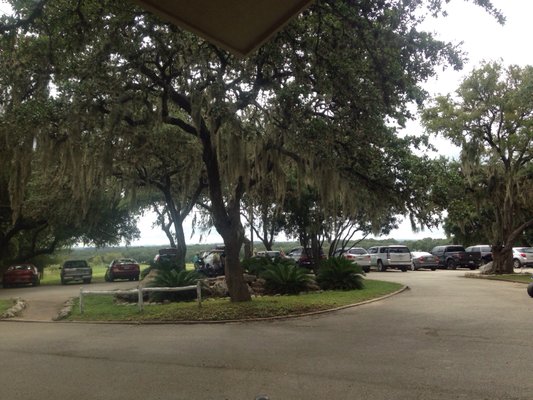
point(502, 260)
point(237, 287)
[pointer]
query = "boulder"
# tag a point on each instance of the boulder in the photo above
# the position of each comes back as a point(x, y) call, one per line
point(486, 269)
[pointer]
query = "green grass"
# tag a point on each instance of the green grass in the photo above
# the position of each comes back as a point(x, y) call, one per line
point(523, 278)
point(5, 305)
point(103, 308)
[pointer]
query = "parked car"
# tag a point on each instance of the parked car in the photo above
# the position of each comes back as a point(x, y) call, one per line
point(21, 274)
point(423, 259)
point(212, 262)
point(357, 255)
point(455, 256)
point(165, 256)
point(483, 252)
point(394, 256)
point(523, 257)
point(76, 270)
point(269, 253)
point(304, 257)
point(123, 268)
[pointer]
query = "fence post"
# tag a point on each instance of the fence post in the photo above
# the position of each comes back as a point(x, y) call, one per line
point(199, 293)
point(140, 297)
point(81, 300)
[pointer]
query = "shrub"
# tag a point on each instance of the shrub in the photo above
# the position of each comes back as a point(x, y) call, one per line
point(174, 278)
point(340, 274)
point(284, 278)
point(257, 265)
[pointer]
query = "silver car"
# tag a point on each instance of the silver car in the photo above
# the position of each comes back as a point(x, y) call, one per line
point(423, 259)
point(523, 257)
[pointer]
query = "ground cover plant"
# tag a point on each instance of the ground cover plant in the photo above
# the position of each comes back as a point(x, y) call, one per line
point(104, 308)
point(5, 305)
point(340, 274)
point(523, 278)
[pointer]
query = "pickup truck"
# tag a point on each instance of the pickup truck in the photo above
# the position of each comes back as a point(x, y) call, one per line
point(394, 256)
point(455, 256)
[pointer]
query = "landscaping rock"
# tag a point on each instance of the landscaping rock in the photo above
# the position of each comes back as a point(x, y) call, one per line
point(486, 269)
point(14, 310)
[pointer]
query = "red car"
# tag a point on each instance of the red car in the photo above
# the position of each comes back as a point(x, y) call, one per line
point(21, 274)
point(123, 268)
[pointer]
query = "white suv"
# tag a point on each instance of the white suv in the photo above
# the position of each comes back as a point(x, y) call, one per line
point(393, 256)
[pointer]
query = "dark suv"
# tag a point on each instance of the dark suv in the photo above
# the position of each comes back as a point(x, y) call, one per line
point(76, 270)
point(454, 256)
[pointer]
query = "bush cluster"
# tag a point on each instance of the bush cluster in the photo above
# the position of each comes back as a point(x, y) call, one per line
point(338, 273)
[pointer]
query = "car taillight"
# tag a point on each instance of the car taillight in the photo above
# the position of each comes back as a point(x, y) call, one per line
point(522, 255)
point(10, 268)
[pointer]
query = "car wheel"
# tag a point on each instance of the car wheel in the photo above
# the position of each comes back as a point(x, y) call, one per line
point(137, 277)
point(36, 282)
point(63, 281)
point(450, 264)
point(403, 269)
point(433, 268)
point(5, 285)
point(381, 267)
point(517, 263)
point(366, 270)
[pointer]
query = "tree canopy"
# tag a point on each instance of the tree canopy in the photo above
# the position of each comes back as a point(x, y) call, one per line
point(319, 102)
point(491, 119)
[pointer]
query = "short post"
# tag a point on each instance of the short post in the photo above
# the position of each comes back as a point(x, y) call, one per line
point(140, 297)
point(81, 300)
point(199, 293)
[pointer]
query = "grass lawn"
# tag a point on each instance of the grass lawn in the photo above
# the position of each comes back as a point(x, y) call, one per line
point(5, 305)
point(103, 307)
point(524, 278)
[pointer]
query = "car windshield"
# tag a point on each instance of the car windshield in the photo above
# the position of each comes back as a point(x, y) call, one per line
point(357, 251)
point(20, 267)
point(525, 249)
point(75, 264)
point(126, 261)
point(455, 248)
point(398, 250)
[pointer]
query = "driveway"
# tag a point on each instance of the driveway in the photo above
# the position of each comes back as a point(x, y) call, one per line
point(446, 338)
point(44, 302)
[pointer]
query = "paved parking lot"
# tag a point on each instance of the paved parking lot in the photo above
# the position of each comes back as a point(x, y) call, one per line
point(447, 337)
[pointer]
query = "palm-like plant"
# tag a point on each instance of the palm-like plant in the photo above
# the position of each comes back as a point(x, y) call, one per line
point(285, 278)
point(340, 274)
point(174, 278)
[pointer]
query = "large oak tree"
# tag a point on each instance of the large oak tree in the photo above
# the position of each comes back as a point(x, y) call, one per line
point(491, 119)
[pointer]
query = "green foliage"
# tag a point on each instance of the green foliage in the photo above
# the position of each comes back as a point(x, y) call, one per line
point(490, 118)
point(257, 265)
point(285, 278)
point(338, 273)
point(174, 278)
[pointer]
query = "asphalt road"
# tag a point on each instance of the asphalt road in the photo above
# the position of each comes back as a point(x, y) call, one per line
point(446, 338)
